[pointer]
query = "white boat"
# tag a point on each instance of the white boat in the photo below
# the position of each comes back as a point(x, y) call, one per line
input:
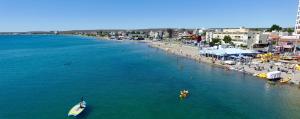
point(77, 109)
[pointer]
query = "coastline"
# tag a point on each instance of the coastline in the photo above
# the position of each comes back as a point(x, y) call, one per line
point(184, 51)
point(143, 75)
point(192, 53)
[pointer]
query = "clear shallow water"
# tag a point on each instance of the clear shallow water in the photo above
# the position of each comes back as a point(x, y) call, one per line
point(43, 76)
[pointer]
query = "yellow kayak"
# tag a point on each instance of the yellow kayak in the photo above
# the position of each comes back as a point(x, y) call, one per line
point(285, 80)
point(298, 67)
point(262, 75)
point(77, 109)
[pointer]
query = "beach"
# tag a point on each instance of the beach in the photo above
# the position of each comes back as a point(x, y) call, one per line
point(192, 52)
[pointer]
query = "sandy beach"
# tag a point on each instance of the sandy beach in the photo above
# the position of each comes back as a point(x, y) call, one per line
point(192, 52)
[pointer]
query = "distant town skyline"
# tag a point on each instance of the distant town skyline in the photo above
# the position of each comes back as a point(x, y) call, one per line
point(52, 15)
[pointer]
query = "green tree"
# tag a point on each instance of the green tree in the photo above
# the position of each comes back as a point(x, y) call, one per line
point(99, 33)
point(275, 28)
point(227, 39)
point(256, 29)
point(215, 41)
point(289, 30)
point(211, 44)
point(170, 32)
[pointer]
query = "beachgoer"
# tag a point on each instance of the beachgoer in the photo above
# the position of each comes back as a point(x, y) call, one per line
point(81, 105)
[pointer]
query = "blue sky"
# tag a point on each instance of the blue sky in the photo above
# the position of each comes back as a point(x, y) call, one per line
point(34, 15)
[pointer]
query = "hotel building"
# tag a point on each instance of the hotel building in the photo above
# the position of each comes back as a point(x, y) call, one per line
point(240, 36)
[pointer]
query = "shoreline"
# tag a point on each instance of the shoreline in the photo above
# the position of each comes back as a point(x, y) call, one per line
point(192, 52)
point(185, 51)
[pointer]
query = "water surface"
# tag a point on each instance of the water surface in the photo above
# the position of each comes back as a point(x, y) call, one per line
point(43, 76)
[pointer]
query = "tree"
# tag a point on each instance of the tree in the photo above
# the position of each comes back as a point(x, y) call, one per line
point(211, 44)
point(256, 29)
point(243, 46)
point(227, 39)
point(275, 28)
point(170, 32)
point(199, 39)
point(289, 30)
point(215, 41)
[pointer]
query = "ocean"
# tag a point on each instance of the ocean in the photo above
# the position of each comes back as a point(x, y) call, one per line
point(44, 76)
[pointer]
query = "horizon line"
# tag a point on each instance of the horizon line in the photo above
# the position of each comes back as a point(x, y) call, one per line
point(130, 29)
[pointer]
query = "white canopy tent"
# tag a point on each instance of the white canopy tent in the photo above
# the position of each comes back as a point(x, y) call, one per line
point(226, 51)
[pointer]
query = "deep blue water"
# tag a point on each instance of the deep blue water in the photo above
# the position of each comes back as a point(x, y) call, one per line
point(43, 76)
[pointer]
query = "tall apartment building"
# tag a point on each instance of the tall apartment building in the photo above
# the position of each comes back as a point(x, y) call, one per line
point(297, 27)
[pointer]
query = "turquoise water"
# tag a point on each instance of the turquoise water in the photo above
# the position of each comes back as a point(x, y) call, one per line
point(43, 76)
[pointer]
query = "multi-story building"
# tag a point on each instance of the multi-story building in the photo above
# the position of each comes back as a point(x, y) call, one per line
point(297, 27)
point(240, 36)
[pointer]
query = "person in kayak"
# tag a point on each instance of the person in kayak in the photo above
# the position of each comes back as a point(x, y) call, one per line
point(184, 94)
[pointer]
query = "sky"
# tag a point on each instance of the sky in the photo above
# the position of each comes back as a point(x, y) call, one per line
point(46, 15)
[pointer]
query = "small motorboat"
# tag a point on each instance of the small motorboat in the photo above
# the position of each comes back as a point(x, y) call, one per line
point(78, 108)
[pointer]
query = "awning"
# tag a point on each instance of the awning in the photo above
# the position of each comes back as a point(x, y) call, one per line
point(227, 51)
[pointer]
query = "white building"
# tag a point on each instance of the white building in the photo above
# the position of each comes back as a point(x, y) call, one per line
point(151, 35)
point(240, 36)
point(297, 27)
point(198, 31)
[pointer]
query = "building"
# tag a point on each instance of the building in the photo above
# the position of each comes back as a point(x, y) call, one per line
point(288, 44)
point(240, 36)
point(297, 27)
point(151, 35)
